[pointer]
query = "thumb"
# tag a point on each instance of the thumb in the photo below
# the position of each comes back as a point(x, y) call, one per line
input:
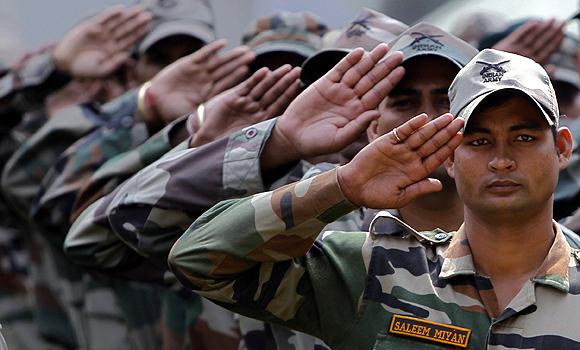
point(111, 63)
point(352, 130)
point(417, 189)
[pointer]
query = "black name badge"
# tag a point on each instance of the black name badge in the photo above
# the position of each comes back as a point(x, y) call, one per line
point(429, 330)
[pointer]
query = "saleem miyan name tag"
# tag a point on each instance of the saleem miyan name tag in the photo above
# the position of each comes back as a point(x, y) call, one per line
point(429, 330)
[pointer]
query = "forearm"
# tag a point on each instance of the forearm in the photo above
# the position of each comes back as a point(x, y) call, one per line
point(274, 226)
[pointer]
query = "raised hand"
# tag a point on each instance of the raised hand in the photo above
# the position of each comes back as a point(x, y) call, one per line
point(264, 95)
point(535, 39)
point(180, 87)
point(99, 45)
point(390, 174)
point(332, 112)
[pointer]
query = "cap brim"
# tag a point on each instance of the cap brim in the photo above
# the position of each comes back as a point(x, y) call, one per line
point(284, 46)
point(468, 110)
point(320, 63)
point(407, 56)
point(197, 30)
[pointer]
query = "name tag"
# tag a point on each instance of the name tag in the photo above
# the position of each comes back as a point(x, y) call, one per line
point(429, 330)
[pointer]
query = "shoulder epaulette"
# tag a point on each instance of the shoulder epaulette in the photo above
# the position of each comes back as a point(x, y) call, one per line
point(436, 236)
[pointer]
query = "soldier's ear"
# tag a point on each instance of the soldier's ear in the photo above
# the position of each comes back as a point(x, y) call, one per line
point(564, 146)
point(372, 131)
point(450, 165)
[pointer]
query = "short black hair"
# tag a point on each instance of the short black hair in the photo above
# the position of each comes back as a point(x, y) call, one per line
point(503, 96)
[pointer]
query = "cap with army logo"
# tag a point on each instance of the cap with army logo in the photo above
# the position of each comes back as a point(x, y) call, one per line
point(367, 30)
point(492, 71)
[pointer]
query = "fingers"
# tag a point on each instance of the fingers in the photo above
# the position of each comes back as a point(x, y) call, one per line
point(225, 64)
point(226, 57)
point(527, 33)
point(351, 131)
point(113, 62)
point(378, 92)
point(245, 87)
point(425, 133)
point(205, 53)
point(266, 84)
point(133, 30)
point(336, 73)
point(420, 188)
point(111, 16)
point(440, 138)
point(354, 74)
point(549, 42)
point(443, 152)
point(409, 127)
point(282, 93)
point(280, 104)
point(230, 80)
point(377, 73)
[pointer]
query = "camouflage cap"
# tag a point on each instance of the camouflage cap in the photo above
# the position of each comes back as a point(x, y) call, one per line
point(178, 17)
point(492, 71)
point(427, 39)
point(563, 62)
point(298, 33)
point(367, 30)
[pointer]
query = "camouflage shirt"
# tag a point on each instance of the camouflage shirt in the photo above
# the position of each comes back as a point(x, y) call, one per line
point(357, 290)
point(23, 173)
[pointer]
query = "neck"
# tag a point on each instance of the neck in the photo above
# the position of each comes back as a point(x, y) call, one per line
point(442, 210)
point(505, 248)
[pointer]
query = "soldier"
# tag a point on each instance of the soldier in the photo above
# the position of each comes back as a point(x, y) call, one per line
point(497, 281)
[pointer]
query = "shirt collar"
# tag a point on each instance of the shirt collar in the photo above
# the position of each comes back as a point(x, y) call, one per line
point(458, 260)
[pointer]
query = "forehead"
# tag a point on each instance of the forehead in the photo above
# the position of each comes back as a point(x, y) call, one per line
point(507, 109)
point(428, 70)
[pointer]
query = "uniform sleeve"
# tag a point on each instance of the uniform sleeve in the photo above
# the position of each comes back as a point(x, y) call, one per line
point(259, 257)
point(23, 174)
point(121, 167)
point(26, 86)
point(59, 188)
point(153, 208)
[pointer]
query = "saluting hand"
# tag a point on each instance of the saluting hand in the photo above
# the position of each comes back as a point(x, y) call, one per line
point(262, 96)
point(333, 111)
point(535, 39)
point(390, 174)
point(99, 45)
point(180, 87)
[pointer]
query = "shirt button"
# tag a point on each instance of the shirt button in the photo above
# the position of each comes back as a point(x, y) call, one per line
point(251, 133)
point(440, 236)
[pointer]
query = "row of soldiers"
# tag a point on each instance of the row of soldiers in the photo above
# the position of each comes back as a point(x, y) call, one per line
point(117, 138)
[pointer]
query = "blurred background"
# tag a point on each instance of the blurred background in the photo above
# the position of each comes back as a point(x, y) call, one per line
point(27, 24)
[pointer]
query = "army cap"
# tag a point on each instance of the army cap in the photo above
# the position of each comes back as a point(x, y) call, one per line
point(369, 29)
point(298, 33)
point(492, 71)
point(178, 17)
point(426, 39)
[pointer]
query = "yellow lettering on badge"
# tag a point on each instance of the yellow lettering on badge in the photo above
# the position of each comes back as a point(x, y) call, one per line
point(429, 330)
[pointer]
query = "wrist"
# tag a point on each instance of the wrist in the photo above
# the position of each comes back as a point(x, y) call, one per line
point(343, 178)
point(146, 107)
point(278, 151)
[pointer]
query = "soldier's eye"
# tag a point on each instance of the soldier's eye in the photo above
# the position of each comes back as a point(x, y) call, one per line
point(525, 138)
point(479, 142)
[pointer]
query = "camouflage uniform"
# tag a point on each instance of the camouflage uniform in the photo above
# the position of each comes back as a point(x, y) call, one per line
point(29, 308)
point(276, 271)
point(90, 304)
point(153, 210)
